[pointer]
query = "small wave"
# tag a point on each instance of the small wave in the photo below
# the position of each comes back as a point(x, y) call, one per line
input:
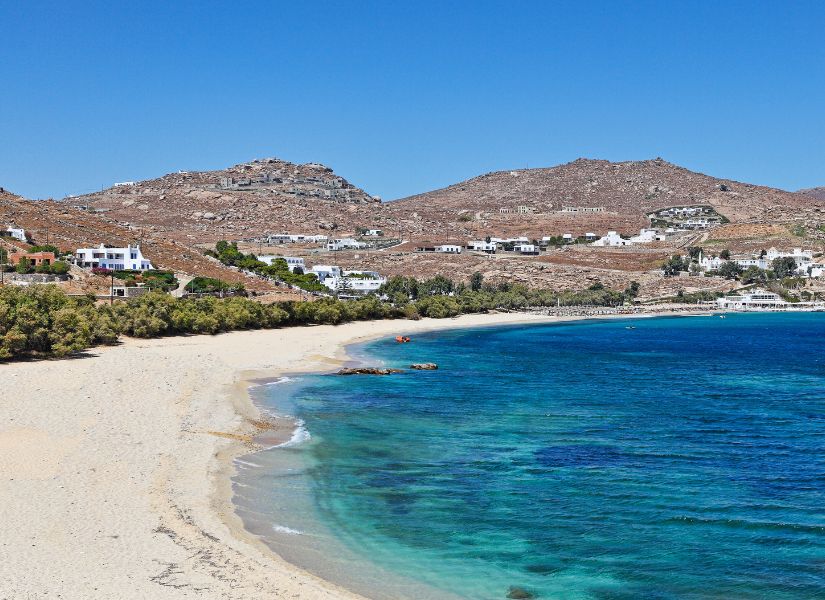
point(280, 380)
point(276, 381)
point(247, 463)
point(748, 524)
point(299, 436)
point(287, 530)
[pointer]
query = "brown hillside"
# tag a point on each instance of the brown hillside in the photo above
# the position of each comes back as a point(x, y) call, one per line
point(628, 191)
point(263, 196)
point(69, 228)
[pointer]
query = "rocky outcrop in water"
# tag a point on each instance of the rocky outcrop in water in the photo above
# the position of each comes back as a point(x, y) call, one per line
point(424, 366)
point(368, 371)
point(519, 593)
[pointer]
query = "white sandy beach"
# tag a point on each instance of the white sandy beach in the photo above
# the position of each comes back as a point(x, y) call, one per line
point(114, 467)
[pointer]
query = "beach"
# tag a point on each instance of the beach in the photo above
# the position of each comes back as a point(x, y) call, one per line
point(116, 464)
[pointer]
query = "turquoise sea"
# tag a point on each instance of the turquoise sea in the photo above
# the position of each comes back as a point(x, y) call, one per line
point(645, 458)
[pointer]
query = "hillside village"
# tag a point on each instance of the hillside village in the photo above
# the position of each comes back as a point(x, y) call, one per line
point(567, 227)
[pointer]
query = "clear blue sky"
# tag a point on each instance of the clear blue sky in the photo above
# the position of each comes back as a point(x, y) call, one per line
point(401, 97)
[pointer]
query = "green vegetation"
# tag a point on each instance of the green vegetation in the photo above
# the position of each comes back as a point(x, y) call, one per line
point(229, 254)
point(675, 265)
point(26, 266)
point(42, 321)
point(210, 285)
point(46, 248)
point(153, 279)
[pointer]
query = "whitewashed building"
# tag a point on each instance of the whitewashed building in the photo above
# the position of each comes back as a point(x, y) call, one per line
point(710, 263)
point(345, 244)
point(448, 249)
point(296, 238)
point(129, 258)
point(611, 239)
point(291, 261)
point(18, 233)
point(338, 280)
point(646, 236)
point(482, 246)
point(374, 233)
point(526, 248)
point(753, 300)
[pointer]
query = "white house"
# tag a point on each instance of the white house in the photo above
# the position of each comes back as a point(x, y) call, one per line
point(645, 237)
point(129, 258)
point(710, 263)
point(802, 258)
point(295, 238)
point(17, 233)
point(374, 233)
point(482, 246)
point(448, 249)
point(816, 269)
point(611, 239)
point(526, 248)
point(291, 261)
point(591, 237)
point(568, 238)
point(338, 280)
point(345, 244)
point(362, 282)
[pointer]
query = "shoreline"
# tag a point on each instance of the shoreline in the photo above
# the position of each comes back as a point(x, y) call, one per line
point(116, 463)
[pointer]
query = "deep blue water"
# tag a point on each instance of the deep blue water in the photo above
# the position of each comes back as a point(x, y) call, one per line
point(683, 458)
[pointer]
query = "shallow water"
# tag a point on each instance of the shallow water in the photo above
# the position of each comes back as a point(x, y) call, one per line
point(682, 458)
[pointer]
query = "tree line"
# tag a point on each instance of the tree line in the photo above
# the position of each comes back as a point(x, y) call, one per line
point(42, 320)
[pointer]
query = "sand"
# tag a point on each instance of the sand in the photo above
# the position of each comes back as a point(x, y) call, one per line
point(115, 466)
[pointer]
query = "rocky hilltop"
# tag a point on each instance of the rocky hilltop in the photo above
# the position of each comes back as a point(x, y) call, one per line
point(247, 200)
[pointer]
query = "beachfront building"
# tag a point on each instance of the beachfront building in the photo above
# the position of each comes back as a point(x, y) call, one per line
point(291, 261)
point(611, 239)
point(17, 233)
point(345, 244)
point(129, 258)
point(753, 300)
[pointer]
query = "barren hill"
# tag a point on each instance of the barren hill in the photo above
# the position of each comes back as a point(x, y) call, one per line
point(263, 196)
point(626, 191)
point(817, 192)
